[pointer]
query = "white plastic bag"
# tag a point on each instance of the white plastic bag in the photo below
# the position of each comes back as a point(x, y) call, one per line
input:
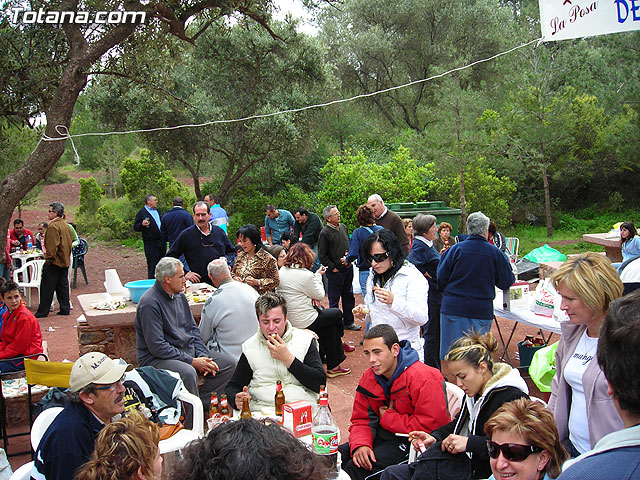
point(545, 299)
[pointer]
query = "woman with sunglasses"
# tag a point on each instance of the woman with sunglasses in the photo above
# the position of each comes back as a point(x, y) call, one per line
point(126, 449)
point(523, 442)
point(487, 386)
point(583, 410)
point(396, 291)
point(254, 265)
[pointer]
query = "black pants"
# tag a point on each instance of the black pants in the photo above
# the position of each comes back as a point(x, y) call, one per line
point(154, 250)
point(54, 279)
point(339, 286)
point(329, 328)
point(431, 336)
point(387, 452)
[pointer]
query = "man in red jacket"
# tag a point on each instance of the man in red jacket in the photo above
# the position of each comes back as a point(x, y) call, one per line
point(19, 332)
point(397, 395)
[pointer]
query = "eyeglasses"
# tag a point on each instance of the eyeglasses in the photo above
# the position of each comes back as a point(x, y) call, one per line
point(379, 257)
point(111, 387)
point(513, 452)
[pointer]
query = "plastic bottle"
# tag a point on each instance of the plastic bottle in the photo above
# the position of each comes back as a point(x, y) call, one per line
point(324, 435)
point(29, 243)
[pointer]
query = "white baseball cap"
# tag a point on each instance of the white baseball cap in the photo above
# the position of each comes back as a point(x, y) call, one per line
point(96, 367)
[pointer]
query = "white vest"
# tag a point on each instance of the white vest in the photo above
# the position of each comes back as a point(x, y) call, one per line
point(267, 370)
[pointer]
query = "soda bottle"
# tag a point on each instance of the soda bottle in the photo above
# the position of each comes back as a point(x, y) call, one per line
point(225, 410)
point(279, 399)
point(215, 408)
point(323, 392)
point(324, 436)
point(246, 412)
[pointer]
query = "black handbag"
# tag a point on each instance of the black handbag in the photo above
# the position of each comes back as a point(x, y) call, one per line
point(434, 464)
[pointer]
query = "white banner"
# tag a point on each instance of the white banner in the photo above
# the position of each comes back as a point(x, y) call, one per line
point(563, 19)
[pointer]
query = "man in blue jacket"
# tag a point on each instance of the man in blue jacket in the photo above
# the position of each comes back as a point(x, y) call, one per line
point(174, 222)
point(468, 273)
point(97, 396)
point(148, 221)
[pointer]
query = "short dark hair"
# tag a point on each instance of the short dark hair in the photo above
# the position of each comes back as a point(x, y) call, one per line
point(269, 208)
point(269, 301)
point(250, 449)
point(384, 331)
point(18, 221)
point(251, 232)
point(58, 208)
point(201, 202)
point(177, 202)
point(619, 350)
point(44, 224)
point(8, 286)
point(288, 236)
point(301, 211)
point(365, 216)
point(389, 242)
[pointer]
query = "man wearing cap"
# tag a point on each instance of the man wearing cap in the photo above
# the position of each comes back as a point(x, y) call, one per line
point(97, 395)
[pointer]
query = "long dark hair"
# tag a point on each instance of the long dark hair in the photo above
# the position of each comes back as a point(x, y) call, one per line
point(632, 230)
point(391, 244)
point(251, 232)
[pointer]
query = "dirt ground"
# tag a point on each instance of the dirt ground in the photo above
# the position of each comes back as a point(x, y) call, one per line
point(60, 331)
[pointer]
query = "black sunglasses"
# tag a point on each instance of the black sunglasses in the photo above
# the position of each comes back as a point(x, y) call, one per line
point(514, 452)
point(379, 257)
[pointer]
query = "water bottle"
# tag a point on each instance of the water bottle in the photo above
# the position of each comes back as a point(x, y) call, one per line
point(29, 243)
point(324, 435)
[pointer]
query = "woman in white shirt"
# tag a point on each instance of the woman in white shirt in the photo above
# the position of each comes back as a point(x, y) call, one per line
point(582, 408)
point(396, 291)
point(303, 291)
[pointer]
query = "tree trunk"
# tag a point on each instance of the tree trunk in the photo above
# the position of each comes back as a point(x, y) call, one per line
point(547, 200)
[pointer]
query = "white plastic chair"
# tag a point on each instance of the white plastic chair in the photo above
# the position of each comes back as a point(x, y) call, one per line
point(31, 272)
point(184, 436)
point(455, 397)
point(41, 423)
point(23, 473)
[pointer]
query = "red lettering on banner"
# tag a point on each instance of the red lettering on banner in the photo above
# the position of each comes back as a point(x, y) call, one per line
point(577, 12)
point(556, 25)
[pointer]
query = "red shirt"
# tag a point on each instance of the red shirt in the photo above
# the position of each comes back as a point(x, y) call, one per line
point(20, 334)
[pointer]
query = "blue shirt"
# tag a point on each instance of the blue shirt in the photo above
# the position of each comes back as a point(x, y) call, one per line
point(154, 214)
point(276, 227)
point(219, 217)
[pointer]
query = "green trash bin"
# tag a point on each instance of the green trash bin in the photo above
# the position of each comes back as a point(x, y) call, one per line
point(438, 208)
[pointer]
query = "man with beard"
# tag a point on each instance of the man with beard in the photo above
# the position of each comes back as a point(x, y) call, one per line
point(97, 395)
point(202, 243)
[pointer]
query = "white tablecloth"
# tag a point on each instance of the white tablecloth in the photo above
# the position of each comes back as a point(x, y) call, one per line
point(527, 317)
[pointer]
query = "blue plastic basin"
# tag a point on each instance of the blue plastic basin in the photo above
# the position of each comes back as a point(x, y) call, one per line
point(137, 288)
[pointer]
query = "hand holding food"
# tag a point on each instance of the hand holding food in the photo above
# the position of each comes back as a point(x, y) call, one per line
point(360, 311)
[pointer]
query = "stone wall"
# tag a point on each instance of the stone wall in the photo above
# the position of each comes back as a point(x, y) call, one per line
point(116, 341)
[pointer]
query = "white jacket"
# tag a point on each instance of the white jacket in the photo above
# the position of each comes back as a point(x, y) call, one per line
point(267, 370)
point(409, 309)
point(299, 286)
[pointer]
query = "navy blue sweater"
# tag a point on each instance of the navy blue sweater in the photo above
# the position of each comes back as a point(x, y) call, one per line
point(426, 259)
point(68, 443)
point(174, 222)
point(467, 275)
point(200, 249)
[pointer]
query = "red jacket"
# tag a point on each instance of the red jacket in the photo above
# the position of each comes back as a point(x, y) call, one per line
point(27, 232)
point(419, 403)
point(20, 334)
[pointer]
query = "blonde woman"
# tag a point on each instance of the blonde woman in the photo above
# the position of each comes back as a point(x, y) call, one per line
point(523, 442)
point(126, 449)
point(583, 410)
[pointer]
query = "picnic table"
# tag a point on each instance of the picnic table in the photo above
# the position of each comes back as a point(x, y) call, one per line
point(612, 245)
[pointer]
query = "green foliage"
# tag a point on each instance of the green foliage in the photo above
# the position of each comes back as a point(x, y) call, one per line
point(484, 191)
point(116, 219)
point(90, 195)
point(350, 179)
point(148, 175)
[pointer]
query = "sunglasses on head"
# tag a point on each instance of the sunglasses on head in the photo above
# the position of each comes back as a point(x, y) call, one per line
point(513, 452)
point(379, 257)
